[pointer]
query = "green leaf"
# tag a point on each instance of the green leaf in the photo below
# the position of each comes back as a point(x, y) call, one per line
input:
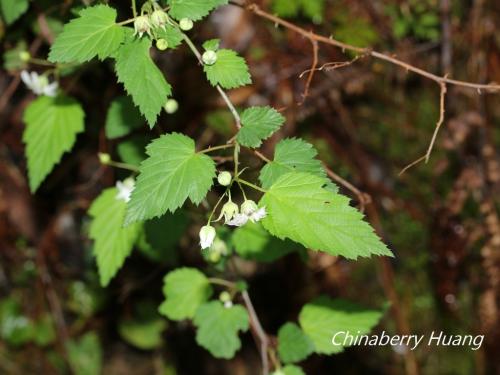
point(211, 45)
point(85, 355)
point(291, 154)
point(141, 78)
point(293, 344)
point(113, 243)
point(51, 128)
point(292, 370)
point(172, 173)
point(257, 124)
point(229, 71)
point(252, 241)
point(300, 208)
point(11, 10)
point(133, 150)
point(144, 329)
point(122, 118)
point(185, 289)
point(193, 9)
point(94, 33)
point(218, 328)
point(171, 34)
point(324, 317)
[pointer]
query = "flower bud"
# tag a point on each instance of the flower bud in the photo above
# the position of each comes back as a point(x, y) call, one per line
point(229, 210)
point(162, 44)
point(142, 25)
point(249, 207)
point(224, 297)
point(24, 56)
point(159, 19)
point(224, 178)
point(104, 158)
point(171, 106)
point(209, 57)
point(186, 24)
point(207, 236)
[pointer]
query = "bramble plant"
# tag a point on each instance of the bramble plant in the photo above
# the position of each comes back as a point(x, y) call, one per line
point(292, 200)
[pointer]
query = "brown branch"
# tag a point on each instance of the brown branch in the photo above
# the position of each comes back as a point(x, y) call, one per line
point(312, 70)
point(363, 198)
point(427, 155)
point(381, 56)
point(259, 332)
point(332, 65)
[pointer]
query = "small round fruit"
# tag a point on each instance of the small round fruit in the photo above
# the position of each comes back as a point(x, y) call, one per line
point(186, 24)
point(209, 57)
point(171, 106)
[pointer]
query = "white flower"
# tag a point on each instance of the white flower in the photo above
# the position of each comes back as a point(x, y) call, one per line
point(207, 236)
point(238, 220)
point(39, 84)
point(254, 213)
point(142, 25)
point(258, 215)
point(229, 210)
point(125, 189)
point(159, 19)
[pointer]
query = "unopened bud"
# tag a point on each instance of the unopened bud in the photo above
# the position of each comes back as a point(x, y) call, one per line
point(209, 57)
point(104, 158)
point(162, 44)
point(24, 56)
point(142, 25)
point(171, 106)
point(186, 24)
point(159, 19)
point(224, 178)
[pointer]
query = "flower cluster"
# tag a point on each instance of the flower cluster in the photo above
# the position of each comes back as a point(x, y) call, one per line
point(39, 84)
point(158, 19)
point(233, 216)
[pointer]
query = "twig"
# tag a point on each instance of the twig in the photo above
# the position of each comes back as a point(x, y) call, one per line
point(332, 65)
point(492, 87)
point(363, 198)
point(311, 71)
point(261, 334)
point(427, 155)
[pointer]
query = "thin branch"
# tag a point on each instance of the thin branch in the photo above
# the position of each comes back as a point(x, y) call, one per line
point(222, 93)
point(259, 331)
point(427, 155)
point(312, 70)
point(332, 65)
point(440, 121)
point(492, 87)
point(363, 198)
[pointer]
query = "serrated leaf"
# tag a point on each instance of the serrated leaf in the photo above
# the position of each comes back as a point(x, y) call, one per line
point(185, 289)
point(133, 150)
point(172, 173)
point(324, 317)
point(141, 78)
point(293, 344)
point(51, 128)
point(218, 328)
point(171, 34)
point(94, 33)
point(252, 241)
point(211, 45)
point(291, 154)
point(112, 242)
point(300, 208)
point(193, 9)
point(11, 10)
point(122, 118)
point(229, 71)
point(258, 124)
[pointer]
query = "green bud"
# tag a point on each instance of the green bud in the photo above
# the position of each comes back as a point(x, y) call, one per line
point(25, 56)
point(214, 256)
point(159, 19)
point(224, 178)
point(224, 297)
point(104, 158)
point(161, 44)
point(209, 57)
point(249, 207)
point(186, 24)
point(142, 25)
point(229, 210)
point(171, 106)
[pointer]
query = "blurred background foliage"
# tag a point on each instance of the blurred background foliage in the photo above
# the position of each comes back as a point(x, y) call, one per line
point(367, 120)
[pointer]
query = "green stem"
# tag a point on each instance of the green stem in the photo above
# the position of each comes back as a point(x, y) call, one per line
point(251, 185)
point(126, 166)
point(217, 281)
point(217, 205)
point(215, 148)
point(134, 8)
